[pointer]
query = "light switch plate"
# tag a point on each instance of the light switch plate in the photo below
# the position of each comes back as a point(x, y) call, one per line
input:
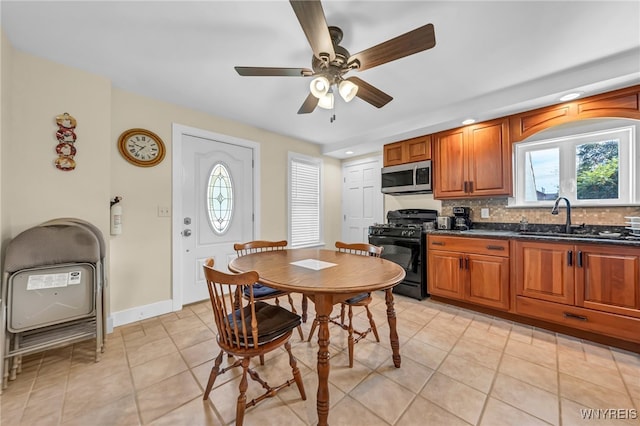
point(484, 213)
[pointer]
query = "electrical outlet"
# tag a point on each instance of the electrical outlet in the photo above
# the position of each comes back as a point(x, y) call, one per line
point(163, 211)
point(484, 213)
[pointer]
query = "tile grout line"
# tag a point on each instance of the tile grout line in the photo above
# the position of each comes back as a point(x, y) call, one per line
point(624, 382)
point(436, 370)
point(190, 369)
point(495, 377)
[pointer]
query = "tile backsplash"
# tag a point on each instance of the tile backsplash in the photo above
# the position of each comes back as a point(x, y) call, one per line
point(498, 212)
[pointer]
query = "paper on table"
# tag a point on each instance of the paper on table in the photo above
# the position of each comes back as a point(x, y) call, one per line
point(314, 264)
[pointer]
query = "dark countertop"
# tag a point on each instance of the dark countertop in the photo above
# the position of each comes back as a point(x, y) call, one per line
point(542, 236)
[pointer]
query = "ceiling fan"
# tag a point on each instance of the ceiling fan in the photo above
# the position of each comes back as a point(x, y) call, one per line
point(331, 61)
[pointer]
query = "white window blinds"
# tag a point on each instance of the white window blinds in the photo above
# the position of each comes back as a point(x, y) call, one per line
point(304, 201)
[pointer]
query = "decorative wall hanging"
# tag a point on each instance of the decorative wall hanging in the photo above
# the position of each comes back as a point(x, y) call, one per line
point(66, 137)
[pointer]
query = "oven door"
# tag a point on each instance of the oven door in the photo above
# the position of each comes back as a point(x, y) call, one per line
point(408, 253)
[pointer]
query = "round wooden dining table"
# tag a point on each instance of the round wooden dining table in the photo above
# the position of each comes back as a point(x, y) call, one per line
point(327, 277)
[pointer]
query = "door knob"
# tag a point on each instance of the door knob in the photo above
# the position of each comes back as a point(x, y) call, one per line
point(186, 233)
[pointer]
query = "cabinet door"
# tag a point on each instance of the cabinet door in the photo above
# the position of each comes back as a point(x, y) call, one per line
point(450, 164)
point(608, 279)
point(418, 149)
point(394, 154)
point(446, 276)
point(488, 281)
point(489, 158)
point(545, 271)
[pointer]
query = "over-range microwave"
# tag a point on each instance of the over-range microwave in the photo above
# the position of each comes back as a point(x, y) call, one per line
point(410, 178)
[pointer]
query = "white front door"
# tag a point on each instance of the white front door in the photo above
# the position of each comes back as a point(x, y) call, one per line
point(361, 198)
point(217, 208)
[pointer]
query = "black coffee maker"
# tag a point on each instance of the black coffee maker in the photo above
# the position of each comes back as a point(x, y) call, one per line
point(461, 218)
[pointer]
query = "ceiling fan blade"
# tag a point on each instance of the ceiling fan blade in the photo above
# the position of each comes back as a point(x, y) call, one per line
point(415, 41)
point(308, 105)
point(368, 93)
point(311, 18)
point(273, 72)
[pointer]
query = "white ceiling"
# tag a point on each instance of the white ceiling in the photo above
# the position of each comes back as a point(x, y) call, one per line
point(491, 58)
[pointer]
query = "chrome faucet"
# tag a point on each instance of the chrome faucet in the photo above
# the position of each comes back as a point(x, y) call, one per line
point(556, 211)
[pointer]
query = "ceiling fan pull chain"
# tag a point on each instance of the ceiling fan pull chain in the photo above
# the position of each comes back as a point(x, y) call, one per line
point(333, 112)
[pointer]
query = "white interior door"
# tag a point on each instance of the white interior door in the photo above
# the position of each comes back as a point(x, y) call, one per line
point(362, 200)
point(217, 207)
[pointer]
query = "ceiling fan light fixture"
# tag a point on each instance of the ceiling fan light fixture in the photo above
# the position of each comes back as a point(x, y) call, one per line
point(319, 86)
point(326, 101)
point(348, 90)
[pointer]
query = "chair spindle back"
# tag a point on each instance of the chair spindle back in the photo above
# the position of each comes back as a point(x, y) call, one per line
point(242, 249)
point(230, 321)
point(362, 249)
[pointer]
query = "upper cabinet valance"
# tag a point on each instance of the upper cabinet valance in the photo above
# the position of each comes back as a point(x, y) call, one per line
point(623, 103)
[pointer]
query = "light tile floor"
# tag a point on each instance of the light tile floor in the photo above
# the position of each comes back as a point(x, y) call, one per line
point(458, 368)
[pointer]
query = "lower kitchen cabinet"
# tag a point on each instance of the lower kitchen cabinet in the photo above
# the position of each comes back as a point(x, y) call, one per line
point(469, 269)
point(609, 279)
point(545, 271)
point(589, 287)
point(606, 324)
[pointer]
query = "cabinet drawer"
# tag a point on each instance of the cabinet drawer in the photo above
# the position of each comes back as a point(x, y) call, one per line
point(491, 247)
point(613, 325)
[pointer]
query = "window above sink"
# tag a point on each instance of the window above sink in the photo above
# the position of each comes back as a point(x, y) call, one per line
point(592, 163)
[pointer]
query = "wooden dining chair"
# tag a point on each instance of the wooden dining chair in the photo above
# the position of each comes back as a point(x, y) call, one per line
point(253, 329)
point(362, 299)
point(263, 292)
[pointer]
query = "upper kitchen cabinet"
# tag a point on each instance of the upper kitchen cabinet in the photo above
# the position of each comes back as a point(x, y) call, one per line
point(623, 103)
point(473, 161)
point(408, 151)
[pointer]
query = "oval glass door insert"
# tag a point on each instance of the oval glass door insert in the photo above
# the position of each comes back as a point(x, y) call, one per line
point(220, 198)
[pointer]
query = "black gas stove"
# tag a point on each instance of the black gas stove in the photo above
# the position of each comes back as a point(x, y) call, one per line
point(409, 231)
point(404, 242)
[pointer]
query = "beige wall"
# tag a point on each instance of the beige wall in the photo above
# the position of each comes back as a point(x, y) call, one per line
point(33, 190)
point(6, 52)
point(144, 189)
point(36, 191)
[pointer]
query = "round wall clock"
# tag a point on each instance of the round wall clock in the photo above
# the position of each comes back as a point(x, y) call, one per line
point(141, 147)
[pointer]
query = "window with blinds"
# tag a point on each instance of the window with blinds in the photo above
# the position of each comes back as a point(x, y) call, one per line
point(305, 217)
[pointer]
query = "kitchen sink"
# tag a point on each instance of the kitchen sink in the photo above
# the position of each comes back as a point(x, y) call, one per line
point(549, 234)
point(600, 236)
point(488, 232)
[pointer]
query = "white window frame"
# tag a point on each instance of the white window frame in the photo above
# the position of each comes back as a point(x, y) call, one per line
point(629, 161)
point(297, 241)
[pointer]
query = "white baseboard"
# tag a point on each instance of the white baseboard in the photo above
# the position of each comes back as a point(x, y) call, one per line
point(138, 313)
